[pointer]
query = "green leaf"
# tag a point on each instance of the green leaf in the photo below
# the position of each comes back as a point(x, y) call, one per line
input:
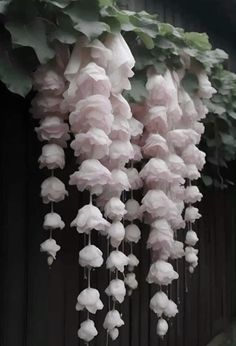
point(59, 3)
point(86, 10)
point(197, 40)
point(232, 114)
point(32, 35)
point(64, 32)
point(105, 2)
point(14, 77)
point(207, 180)
point(190, 83)
point(146, 39)
point(138, 90)
point(3, 5)
point(91, 29)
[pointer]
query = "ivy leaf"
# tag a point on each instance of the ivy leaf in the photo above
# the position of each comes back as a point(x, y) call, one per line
point(32, 35)
point(15, 78)
point(65, 31)
point(3, 5)
point(146, 39)
point(91, 29)
point(197, 40)
point(190, 83)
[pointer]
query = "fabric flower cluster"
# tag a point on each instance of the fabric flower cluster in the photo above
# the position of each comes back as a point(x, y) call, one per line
point(49, 107)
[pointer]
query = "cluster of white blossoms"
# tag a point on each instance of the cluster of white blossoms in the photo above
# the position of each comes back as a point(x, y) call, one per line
point(49, 107)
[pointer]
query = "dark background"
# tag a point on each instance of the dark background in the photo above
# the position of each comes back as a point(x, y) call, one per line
point(37, 304)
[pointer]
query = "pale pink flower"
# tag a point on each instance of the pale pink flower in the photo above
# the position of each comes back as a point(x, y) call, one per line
point(120, 106)
point(94, 111)
point(176, 164)
point(192, 172)
point(155, 145)
point(192, 194)
point(48, 79)
point(180, 138)
point(187, 105)
point(130, 281)
point(115, 209)
point(134, 179)
point(52, 157)
point(192, 155)
point(132, 233)
point(99, 53)
point(93, 144)
point(137, 152)
point(205, 90)
point(116, 233)
point(53, 129)
point(121, 152)
point(191, 238)
point(201, 109)
point(53, 190)
point(44, 104)
point(119, 181)
point(159, 92)
point(120, 129)
point(157, 204)
point(136, 127)
point(191, 256)
point(156, 170)
point(177, 250)
point(92, 175)
point(133, 209)
point(191, 214)
point(156, 120)
point(133, 262)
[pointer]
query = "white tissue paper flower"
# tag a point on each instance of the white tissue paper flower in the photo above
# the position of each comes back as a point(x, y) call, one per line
point(155, 146)
point(119, 181)
point(53, 190)
point(136, 127)
point(205, 90)
point(52, 156)
point(120, 106)
point(171, 309)
point(191, 238)
point(87, 331)
point(192, 194)
point(121, 151)
point(162, 327)
point(53, 221)
point(89, 299)
point(114, 333)
point(117, 260)
point(115, 209)
point(161, 273)
point(117, 290)
point(133, 210)
point(137, 152)
point(156, 170)
point(192, 172)
point(113, 320)
point(192, 155)
point(180, 138)
point(191, 214)
point(134, 179)
point(50, 247)
point(90, 256)
point(93, 144)
point(89, 217)
point(177, 250)
point(130, 281)
point(120, 129)
point(191, 255)
point(176, 164)
point(157, 204)
point(159, 303)
point(132, 233)
point(133, 262)
point(92, 175)
point(116, 233)
point(156, 120)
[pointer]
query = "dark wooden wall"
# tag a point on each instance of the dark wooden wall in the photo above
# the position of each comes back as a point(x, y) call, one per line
point(37, 304)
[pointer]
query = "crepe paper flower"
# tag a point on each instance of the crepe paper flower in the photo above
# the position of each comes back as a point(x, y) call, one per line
point(136, 127)
point(115, 209)
point(99, 53)
point(191, 238)
point(119, 181)
point(177, 193)
point(89, 299)
point(48, 80)
point(159, 92)
point(192, 172)
point(52, 157)
point(112, 320)
point(120, 129)
point(53, 221)
point(192, 194)
point(176, 164)
point(116, 233)
point(171, 310)
point(93, 112)
point(159, 303)
point(199, 127)
point(177, 250)
point(117, 260)
point(87, 331)
point(191, 214)
point(93, 144)
point(155, 146)
point(52, 128)
point(205, 90)
point(156, 170)
point(89, 217)
point(53, 190)
point(130, 281)
point(137, 152)
point(187, 105)
point(120, 66)
point(92, 175)
point(90, 80)
point(133, 209)
point(180, 138)
point(132, 233)
point(121, 151)
point(201, 109)
point(44, 105)
point(114, 333)
point(134, 179)
point(192, 155)
point(174, 112)
point(162, 327)
point(133, 262)
point(191, 255)
point(50, 247)
point(161, 241)
point(117, 290)
point(157, 204)
point(120, 106)
point(156, 120)
point(161, 273)
point(90, 256)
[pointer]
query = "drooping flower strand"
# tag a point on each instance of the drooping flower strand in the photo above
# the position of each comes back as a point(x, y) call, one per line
point(49, 106)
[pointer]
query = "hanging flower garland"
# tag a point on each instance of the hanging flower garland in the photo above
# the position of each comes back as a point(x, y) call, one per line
point(48, 106)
